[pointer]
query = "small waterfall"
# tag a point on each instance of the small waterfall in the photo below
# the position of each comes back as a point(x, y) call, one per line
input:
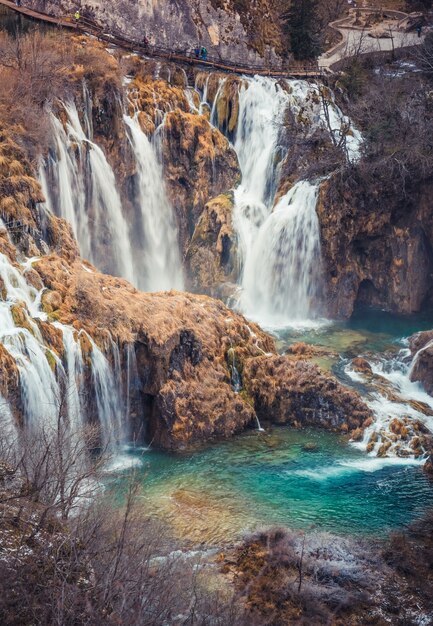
point(87, 196)
point(160, 265)
point(46, 382)
point(8, 428)
point(394, 399)
point(108, 399)
point(132, 378)
point(234, 374)
point(282, 269)
point(39, 388)
point(417, 355)
point(74, 375)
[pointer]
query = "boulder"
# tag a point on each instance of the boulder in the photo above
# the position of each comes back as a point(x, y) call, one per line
point(299, 393)
point(421, 346)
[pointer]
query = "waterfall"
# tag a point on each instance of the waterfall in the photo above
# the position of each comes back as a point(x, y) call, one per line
point(8, 428)
point(39, 388)
point(45, 379)
point(281, 271)
point(74, 375)
point(279, 246)
point(107, 388)
point(160, 263)
point(87, 196)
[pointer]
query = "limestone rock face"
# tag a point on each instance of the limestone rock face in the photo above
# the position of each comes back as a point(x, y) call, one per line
point(240, 31)
point(199, 164)
point(287, 391)
point(30, 230)
point(421, 346)
point(211, 255)
point(376, 251)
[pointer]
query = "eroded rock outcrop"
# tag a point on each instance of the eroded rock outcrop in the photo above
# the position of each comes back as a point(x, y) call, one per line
point(376, 250)
point(287, 391)
point(211, 255)
point(199, 164)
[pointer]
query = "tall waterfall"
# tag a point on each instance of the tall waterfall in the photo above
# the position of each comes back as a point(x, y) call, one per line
point(80, 186)
point(87, 196)
point(160, 266)
point(279, 246)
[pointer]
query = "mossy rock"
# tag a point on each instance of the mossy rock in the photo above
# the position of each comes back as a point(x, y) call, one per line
point(20, 317)
point(51, 360)
point(51, 301)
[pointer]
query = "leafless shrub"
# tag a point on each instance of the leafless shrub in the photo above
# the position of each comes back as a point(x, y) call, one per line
point(74, 552)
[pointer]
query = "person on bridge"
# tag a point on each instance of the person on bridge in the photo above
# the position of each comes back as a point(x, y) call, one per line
point(419, 29)
point(77, 16)
point(197, 52)
point(203, 53)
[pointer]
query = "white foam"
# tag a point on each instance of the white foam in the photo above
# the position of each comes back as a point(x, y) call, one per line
point(122, 462)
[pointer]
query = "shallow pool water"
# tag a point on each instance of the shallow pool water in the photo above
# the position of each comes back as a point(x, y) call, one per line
point(301, 479)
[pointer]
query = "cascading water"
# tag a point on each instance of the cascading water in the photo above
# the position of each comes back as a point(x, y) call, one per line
point(393, 397)
point(280, 276)
point(46, 381)
point(80, 186)
point(87, 196)
point(39, 387)
point(160, 265)
point(74, 375)
point(279, 247)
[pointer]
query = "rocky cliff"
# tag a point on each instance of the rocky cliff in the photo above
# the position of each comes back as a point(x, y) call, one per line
point(382, 256)
point(235, 30)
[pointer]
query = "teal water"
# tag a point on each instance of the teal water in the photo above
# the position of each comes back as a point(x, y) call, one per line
point(300, 479)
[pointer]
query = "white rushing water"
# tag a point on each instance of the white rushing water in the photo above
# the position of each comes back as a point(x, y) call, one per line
point(393, 399)
point(279, 237)
point(85, 194)
point(80, 186)
point(279, 245)
point(280, 276)
point(47, 382)
point(39, 388)
point(160, 266)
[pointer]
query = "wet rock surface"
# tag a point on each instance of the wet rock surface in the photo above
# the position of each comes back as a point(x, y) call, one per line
point(381, 256)
point(421, 346)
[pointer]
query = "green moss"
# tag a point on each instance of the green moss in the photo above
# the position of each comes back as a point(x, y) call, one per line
point(247, 397)
point(51, 359)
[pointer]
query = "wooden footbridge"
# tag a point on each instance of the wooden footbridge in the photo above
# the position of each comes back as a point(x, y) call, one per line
point(90, 27)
